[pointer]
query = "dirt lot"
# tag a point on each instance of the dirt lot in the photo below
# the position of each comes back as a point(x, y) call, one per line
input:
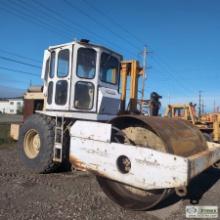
point(10, 118)
point(76, 195)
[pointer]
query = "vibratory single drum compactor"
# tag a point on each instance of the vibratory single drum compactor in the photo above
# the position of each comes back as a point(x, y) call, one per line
point(138, 160)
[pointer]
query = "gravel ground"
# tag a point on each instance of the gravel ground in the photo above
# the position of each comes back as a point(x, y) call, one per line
point(10, 118)
point(76, 195)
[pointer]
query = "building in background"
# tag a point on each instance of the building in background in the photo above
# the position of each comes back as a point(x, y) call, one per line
point(11, 106)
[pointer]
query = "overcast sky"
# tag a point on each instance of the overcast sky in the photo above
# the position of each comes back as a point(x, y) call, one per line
point(182, 37)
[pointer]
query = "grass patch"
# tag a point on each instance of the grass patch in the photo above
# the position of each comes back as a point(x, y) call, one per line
point(5, 134)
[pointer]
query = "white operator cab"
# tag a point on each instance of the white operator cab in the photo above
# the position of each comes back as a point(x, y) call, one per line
point(81, 80)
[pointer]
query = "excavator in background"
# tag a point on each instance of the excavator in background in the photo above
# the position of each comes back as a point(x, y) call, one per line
point(138, 161)
point(209, 124)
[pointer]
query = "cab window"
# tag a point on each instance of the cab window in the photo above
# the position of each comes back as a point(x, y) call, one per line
point(47, 69)
point(52, 64)
point(84, 95)
point(109, 69)
point(86, 63)
point(61, 92)
point(50, 93)
point(63, 63)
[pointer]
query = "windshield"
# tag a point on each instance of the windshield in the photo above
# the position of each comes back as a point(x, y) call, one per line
point(86, 63)
point(109, 70)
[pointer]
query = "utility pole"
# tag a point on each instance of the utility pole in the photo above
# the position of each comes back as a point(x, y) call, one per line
point(144, 71)
point(200, 104)
point(203, 106)
point(214, 108)
point(144, 74)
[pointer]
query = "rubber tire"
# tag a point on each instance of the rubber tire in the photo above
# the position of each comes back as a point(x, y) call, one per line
point(43, 162)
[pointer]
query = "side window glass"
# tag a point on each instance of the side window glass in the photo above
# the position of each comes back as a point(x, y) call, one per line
point(50, 93)
point(109, 69)
point(52, 64)
point(61, 92)
point(47, 69)
point(84, 95)
point(86, 63)
point(63, 63)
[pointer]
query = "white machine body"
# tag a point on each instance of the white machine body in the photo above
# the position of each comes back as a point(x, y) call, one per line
point(81, 78)
point(91, 149)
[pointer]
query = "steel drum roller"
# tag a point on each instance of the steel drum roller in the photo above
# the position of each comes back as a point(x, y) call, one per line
point(166, 135)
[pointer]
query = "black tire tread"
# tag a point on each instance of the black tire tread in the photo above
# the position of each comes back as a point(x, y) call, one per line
point(47, 164)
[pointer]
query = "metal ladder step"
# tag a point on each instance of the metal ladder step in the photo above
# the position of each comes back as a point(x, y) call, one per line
point(58, 143)
point(57, 154)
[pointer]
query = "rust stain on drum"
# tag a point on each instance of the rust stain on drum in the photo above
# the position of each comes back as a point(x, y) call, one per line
point(78, 164)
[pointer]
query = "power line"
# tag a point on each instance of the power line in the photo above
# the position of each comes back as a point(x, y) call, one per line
point(24, 15)
point(26, 7)
point(99, 23)
point(14, 81)
point(45, 9)
point(20, 56)
point(172, 76)
point(19, 71)
point(19, 62)
point(31, 19)
point(84, 14)
point(27, 18)
point(112, 20)
point(9, 87)
point(58, 16)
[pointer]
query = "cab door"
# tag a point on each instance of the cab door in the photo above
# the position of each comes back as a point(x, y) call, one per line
point(85, 78)
point(59, 76)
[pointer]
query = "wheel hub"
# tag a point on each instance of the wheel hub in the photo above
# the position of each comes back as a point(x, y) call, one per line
point(32, 143)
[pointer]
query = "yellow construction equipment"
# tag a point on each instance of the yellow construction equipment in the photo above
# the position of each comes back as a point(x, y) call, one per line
point(209, 124)
point(130, 68)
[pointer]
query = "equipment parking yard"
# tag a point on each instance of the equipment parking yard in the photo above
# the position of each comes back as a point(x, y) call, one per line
point(76, 195)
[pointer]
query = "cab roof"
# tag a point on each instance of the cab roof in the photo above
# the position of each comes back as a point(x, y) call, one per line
point(85, 44)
